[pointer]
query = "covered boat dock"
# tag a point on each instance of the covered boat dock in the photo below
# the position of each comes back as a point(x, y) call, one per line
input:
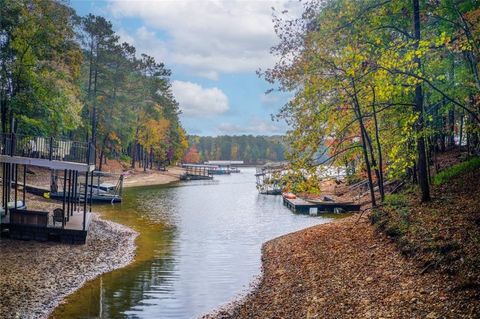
point(69, 222)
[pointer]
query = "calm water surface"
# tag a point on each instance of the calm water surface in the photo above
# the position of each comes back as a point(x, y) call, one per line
point(199, 247)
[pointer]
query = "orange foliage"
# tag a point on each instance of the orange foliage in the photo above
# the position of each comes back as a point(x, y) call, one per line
point(192, 156)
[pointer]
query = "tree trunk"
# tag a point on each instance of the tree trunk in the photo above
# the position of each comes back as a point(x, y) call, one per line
point(443, 145)
point(4, 115)
point(134, 148)
point(102, 153)
point(379, 150)
point(151, 158)
point(372, 153)
point(421, 155)
point(356, 106)
point(460, 139)
point(451, 127)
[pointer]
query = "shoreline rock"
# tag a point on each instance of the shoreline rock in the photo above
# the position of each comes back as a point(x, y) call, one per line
point(228, 309)
point(36, 277)
point(343, 269)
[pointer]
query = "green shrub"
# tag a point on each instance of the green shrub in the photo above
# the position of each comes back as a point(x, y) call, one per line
point(448, 173)
point(396, 200)
point(125, 158)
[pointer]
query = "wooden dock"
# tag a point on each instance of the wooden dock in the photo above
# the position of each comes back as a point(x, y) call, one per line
point(299, 205)
point(73, 158)
point(72, 232)
point(196, 172)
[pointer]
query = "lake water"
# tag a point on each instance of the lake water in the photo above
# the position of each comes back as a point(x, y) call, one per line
point(199, 247)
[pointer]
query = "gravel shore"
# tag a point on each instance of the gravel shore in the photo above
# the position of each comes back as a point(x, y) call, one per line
point(345, 270)
point(35, 277)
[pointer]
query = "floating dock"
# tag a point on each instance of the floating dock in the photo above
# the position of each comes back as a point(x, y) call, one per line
point(196, 172)
point(299, 205)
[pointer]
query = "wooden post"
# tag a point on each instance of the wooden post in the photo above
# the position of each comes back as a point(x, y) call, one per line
point(12, 146)
point(24, 182)
point(64, 193)
point(75, 191)
point(16, 185)
point(91, 191)
point(67, 191)
point(50, 151)
point(4, 186)
point(72, 179)
point(85, 200)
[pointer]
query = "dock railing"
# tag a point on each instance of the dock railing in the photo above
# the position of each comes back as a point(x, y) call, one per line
point(47, 148)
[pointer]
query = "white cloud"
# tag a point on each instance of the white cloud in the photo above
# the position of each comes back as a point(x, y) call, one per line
point(229, 128)
point(126, 37)
point(210, 37)
point(256, 127)
point(196, 101)
point(145, 41)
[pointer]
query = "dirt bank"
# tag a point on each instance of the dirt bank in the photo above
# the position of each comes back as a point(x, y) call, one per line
point(345, 270)
point(35, 277)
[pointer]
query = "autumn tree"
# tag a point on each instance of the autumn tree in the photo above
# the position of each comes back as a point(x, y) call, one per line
point(366, 77)
point(192, 156)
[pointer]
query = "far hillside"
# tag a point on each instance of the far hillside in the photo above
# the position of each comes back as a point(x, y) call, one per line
point(248, 148)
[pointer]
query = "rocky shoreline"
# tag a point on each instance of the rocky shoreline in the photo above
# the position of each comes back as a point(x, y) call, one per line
point(35, 277)
point(344, 269)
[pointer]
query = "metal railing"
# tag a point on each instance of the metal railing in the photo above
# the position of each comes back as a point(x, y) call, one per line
point(47, 148)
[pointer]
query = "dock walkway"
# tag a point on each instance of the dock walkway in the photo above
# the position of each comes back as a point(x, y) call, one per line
point(300, 205)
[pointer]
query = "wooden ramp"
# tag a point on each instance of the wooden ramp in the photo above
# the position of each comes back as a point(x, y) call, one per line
point(299, 205)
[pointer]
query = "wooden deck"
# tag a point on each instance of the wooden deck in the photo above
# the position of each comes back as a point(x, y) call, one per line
point(299, 205)
point(72, 233)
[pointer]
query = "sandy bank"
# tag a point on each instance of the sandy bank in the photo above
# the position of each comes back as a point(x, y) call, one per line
point(344, 270)
point(152, 177)
point(35, 277)
point(41, 177)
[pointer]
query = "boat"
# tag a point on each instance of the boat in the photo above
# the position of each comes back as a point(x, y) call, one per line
point(102, 192)
point(219, 171)
point(20, 205)
point(269, 178)
point(96, 198)
point(234, 170)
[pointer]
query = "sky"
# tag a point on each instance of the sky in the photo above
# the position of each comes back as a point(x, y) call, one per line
point(213, 48)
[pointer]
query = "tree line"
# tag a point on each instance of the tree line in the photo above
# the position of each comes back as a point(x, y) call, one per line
point(63, 75)
point(384, 85)
point(248, 148)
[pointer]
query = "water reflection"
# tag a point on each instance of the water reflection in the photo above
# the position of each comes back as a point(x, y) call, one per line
point(199, 246)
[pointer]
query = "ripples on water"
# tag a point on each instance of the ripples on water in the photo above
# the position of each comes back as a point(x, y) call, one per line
point(199, 247)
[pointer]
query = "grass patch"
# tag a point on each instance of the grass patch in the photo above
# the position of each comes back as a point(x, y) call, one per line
point(125, 158)
point(396, 200)
point(448, 173)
